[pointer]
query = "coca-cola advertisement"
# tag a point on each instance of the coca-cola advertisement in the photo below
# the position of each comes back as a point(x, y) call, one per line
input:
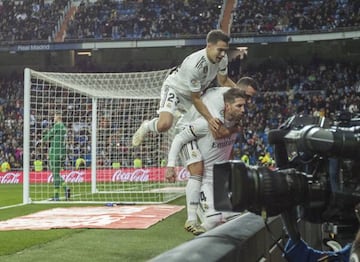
point(138, 175)
point(71, 177)
point(11, 178)
point(182, 174)
point(102, 175)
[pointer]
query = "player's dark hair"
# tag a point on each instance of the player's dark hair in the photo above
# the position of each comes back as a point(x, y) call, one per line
point(233, 93)
point(217, 35)
point(248, 81)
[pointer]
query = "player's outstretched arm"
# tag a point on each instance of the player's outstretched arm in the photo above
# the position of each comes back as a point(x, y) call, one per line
point(225, 80)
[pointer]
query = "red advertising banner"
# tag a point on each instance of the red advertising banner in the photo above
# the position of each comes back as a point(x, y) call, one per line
point(102, 175)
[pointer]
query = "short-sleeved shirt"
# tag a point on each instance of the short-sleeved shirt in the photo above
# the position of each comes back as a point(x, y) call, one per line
point(195, 73)
point(213, 99)
point(213, 150)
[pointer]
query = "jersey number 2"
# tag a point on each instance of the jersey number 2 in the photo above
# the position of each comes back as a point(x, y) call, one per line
point(172, 97)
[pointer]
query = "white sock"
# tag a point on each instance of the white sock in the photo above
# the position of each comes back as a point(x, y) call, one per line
point(193, 196)
point(152, 125)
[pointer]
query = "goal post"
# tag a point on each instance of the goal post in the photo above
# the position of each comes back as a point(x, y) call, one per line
point(95, 161)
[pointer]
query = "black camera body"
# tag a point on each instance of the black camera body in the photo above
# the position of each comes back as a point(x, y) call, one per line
point(318, 169)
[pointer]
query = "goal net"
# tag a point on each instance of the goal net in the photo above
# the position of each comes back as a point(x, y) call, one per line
point(95, 161)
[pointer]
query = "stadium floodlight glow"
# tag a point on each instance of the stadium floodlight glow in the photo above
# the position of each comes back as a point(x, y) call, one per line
point(101, 112)
point(242, 48)
point(88, 53)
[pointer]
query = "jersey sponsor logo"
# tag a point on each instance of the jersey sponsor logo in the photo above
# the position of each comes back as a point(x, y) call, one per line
point(223, 143)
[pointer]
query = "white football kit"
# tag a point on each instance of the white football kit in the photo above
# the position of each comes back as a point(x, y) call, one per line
point(195, 140)
point(194, 75)
point(194, 126)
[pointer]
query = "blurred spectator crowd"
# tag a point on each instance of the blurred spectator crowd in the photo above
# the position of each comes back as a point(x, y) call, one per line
point(319, 89)
point(282, 16)
point(133, 19)
point(146, 19)
point(29, 20)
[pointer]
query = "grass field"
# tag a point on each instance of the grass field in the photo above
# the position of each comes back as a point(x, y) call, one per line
point(84, 244)
point(129, 192)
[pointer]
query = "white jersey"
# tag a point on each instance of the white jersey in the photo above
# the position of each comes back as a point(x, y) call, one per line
point(195, 73)
point(214, 150)
point(213, 99)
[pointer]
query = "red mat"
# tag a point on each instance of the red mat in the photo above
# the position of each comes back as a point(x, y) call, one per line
point(117, 217)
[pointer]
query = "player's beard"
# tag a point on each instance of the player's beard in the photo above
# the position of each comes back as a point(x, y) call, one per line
point(234, 116)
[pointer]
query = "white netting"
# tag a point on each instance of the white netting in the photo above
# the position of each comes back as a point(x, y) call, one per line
point(109, 85)
point(101, 112)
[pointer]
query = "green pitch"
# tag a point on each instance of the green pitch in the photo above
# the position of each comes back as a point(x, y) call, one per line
point(129, 192)
point(84, 244)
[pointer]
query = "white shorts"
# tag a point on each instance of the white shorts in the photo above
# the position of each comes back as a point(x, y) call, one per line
point(190, 153)
point(172, 101)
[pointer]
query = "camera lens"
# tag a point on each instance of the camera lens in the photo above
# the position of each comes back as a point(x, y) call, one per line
point(240, 187)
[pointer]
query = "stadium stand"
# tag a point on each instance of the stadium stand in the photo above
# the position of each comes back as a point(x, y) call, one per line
point(29, 20)
point(143, 19)
point(324, 88)
point(279, 16)
point(67, 20)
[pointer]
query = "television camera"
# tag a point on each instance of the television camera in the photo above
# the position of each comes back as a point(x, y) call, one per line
point(317, 172)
